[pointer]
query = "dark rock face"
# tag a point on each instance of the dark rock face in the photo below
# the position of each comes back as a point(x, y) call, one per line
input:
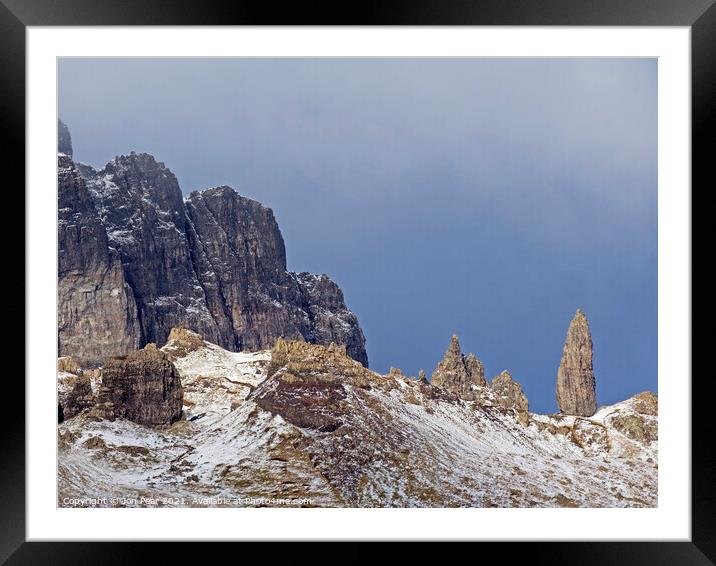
point(143, 387)
point(140, 204)
point(240, 257)
point(331, 320)
point(64, 140)
point(576, 386)
point(459, 374)
point(97, 314)
point(137, 260)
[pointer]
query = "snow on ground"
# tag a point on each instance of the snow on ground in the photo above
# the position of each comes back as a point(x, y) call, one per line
point(214, 361)
point(215, 380)
point(397, 447)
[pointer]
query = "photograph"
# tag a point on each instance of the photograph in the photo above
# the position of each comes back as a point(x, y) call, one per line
point(357, 282)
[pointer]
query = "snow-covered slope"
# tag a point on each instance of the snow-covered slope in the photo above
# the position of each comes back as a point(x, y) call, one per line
point(324, 431)
point(216, 380)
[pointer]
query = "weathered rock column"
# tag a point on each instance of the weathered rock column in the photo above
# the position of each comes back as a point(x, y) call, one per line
point(576, 387)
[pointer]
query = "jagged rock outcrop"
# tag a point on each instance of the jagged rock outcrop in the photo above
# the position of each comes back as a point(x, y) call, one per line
point(576, 386)
point(74, 389)
point(215, 263)
point(396, 373)
point(181, 342)
point(301, 361)
point(97, 313)
point(64, 140)
point(306, 384)
point(143, 387)
point(508, 394)
point(459, 374)
point(646, 403)
point(68, 365)
point(641, 424)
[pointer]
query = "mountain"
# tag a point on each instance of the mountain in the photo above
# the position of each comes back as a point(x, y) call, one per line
point(305, 424)
point(196, 370)
point(137, 259)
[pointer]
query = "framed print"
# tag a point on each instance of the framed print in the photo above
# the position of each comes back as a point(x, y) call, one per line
point(420, 275)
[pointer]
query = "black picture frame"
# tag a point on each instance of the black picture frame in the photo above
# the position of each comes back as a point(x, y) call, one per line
point(699, 15)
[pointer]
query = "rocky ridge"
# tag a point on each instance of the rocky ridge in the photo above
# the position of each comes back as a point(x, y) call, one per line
point(306, 422)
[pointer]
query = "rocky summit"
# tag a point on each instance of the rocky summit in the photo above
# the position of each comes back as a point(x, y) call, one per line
point(137, 259)
point(306, 424)
point(459, 374)
point(576, 385)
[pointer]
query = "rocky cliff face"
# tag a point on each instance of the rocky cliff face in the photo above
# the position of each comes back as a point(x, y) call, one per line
point(255, 297)
point(141, 206)
point(331, 320)
point(143, 387)
point(137, 260)
point(97, 313)
point(576, 386)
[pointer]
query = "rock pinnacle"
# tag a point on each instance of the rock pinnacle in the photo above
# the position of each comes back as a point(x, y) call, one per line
point(576, 386)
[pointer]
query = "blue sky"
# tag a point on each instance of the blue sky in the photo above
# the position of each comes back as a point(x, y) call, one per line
point(489, 198)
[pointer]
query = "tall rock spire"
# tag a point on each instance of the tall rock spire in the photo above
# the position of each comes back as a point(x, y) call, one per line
point(576, 392)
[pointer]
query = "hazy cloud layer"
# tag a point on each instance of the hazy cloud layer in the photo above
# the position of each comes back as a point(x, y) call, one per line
point(484, 197)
